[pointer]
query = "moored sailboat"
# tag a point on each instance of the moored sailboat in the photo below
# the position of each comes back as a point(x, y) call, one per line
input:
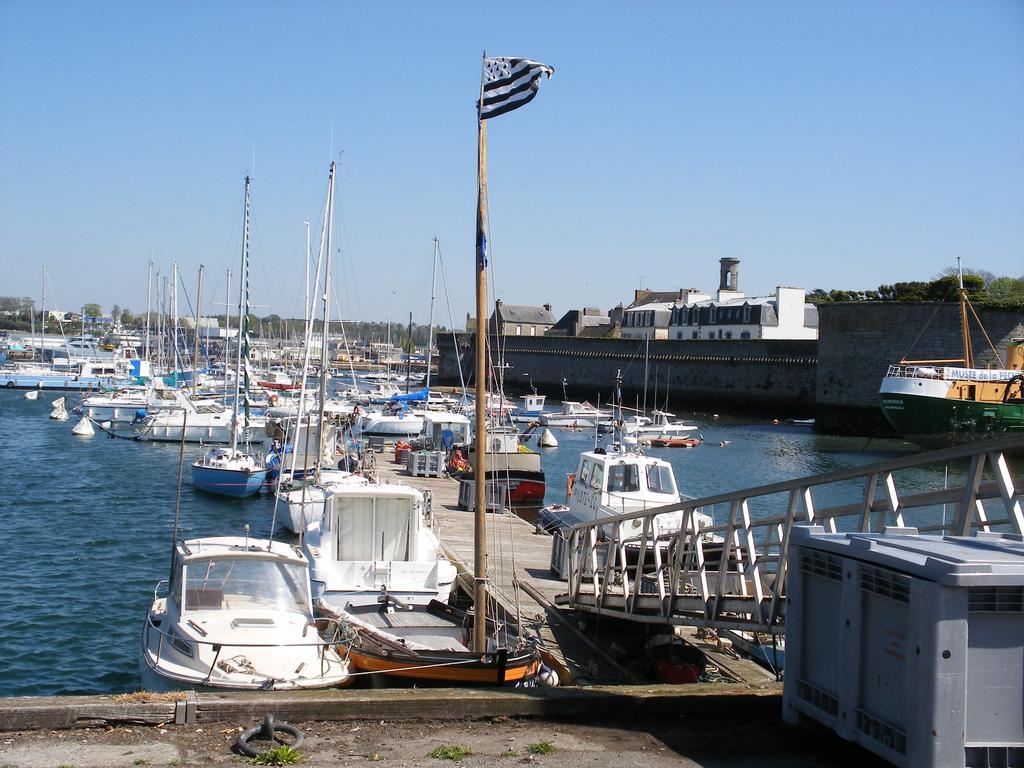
point(231, 471)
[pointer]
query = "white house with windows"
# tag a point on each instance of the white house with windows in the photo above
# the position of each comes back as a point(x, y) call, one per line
point(651, 312)
point(786, 315)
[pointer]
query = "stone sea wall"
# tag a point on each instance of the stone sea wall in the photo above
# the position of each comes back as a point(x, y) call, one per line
point(772, 377)
point(835, 379)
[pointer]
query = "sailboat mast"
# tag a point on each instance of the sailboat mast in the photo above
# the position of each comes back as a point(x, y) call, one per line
point(195, 352)
point(965, 330)
point(408, 357)
point(324, 368)
point(42, 319)
point(149, 297)
point(174, 311)
point(305, 296)
point(480, 454)
point(242, 319)
point(430, 324)
point(227, 332)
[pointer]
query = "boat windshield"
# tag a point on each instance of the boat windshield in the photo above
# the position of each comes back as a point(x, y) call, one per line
point(624, 478)
point(660, 479)
point(245, 582)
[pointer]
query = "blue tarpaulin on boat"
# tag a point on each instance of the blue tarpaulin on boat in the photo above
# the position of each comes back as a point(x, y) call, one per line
point(412, 397)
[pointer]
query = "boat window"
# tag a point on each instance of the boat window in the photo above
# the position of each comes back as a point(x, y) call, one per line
point(245, 582)
point(372, 529)
point(660, 480)
point(623, 478)
point(597, 477)
point(588, 467)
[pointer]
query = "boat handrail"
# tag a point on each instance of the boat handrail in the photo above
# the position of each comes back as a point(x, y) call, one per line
point(947, 373)
point(320, 642)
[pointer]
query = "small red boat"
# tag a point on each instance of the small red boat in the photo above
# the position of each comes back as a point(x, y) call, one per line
point(675, 442)
point(277, 385)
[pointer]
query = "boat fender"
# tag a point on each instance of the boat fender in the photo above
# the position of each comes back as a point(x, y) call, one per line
point(10, 383)
point(548, 678)
point(265, 732)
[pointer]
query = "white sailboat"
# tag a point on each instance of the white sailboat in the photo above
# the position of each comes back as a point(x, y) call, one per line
point(311, 479)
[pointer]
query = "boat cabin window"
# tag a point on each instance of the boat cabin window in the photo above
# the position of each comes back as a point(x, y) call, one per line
point(588, 467)
point(371, 528)
point(245, 582)
point(623, 478)
point(597, 478)
point(660, 480)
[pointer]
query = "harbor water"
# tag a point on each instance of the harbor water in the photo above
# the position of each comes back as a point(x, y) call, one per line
point(86, 525)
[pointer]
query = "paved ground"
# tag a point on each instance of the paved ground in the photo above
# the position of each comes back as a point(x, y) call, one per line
point(662, 742)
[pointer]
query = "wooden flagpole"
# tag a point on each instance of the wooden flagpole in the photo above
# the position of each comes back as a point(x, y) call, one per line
point(480, 455)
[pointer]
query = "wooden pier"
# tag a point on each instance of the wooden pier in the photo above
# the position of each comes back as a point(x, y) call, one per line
point(521, 578)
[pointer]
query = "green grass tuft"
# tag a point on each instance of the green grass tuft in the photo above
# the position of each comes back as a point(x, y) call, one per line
point(541, 748)
point(282, 755)
point(450, 752)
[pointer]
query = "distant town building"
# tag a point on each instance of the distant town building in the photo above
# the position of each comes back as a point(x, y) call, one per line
point(589, 321)
point(651, 311)
point(520, 319)
point(731, 315)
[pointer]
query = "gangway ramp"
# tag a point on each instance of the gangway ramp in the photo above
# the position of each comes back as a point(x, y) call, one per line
point(732, 575)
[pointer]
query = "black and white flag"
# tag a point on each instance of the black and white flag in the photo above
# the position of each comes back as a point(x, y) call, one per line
point(510, 83)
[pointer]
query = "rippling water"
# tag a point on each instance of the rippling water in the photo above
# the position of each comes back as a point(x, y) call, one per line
point(85, 526)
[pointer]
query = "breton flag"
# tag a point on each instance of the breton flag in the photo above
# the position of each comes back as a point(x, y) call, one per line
point(510, 83)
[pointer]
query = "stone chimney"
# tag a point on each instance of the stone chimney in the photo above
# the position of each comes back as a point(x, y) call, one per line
point(547, 307)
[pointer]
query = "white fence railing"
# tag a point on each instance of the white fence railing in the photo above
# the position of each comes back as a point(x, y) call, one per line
point(732, 575)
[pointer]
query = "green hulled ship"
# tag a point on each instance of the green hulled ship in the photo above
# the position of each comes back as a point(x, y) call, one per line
point(937, 403)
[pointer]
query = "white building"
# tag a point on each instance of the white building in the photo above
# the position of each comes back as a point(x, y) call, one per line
point(731, 315)
point(651, 312)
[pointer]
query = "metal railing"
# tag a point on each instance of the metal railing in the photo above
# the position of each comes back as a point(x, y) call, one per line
point(732, 574)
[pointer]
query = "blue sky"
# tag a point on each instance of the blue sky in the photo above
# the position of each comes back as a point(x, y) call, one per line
point(824, 144)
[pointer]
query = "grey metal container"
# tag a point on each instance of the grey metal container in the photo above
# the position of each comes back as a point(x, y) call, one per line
point(910, 645)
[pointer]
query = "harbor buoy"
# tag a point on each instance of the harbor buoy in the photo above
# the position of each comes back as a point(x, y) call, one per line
point(83, 428)
point(547, 440)
point(32, 394)
point(59, 413)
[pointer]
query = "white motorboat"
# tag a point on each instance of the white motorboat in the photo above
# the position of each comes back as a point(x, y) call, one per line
point(236, 615)
point(125, 403)
point(377, 543)
point(77, 374)
point(658, 424)
point(403, 423)
point(575, 415)
point(616, 481)
point(531, 408)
